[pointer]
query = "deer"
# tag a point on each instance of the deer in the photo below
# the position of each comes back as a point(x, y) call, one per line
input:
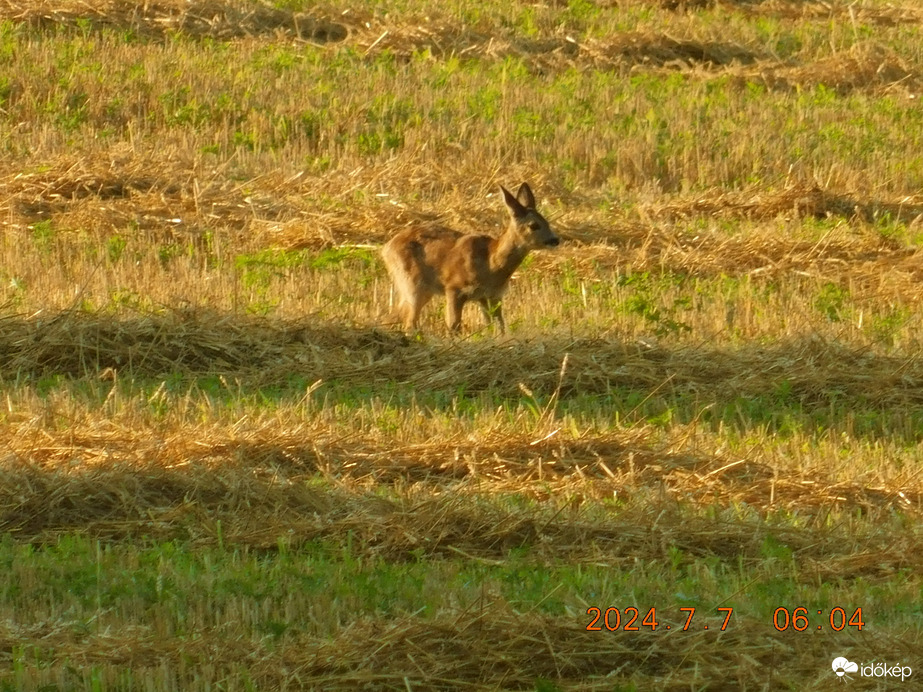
point(424, 262)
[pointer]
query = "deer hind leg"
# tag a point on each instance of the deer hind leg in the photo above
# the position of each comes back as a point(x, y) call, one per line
point(400, 311)
point(454, 302)
point(412, 306)
point(411, 295)
point(493, 311)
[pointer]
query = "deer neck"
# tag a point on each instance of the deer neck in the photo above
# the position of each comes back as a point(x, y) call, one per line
point(506, 253)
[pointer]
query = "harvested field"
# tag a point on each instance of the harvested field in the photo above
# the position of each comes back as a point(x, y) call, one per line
point(224, 466)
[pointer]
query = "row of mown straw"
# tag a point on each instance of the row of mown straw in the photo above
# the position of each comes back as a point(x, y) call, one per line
point(184, 187)
point(262, 352)
point(201, 18)
point(165, 195)
point(123, 185)
point(239, 497)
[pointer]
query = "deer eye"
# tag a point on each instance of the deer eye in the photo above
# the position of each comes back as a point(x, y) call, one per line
point(535, 225)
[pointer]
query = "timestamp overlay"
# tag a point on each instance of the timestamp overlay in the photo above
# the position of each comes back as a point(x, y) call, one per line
point(631, 619)
point(828, 632)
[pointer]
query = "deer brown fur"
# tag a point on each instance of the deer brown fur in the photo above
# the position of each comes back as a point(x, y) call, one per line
point(464, 267)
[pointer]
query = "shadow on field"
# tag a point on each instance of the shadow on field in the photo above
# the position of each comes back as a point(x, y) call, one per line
point(807, 383)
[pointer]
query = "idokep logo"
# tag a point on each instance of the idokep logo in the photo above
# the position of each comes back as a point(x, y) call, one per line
point(842, 666)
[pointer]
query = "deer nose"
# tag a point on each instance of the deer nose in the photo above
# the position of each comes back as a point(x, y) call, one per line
point(553, 242)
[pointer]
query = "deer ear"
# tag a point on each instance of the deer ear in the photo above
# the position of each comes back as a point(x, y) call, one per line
point(514, 205)
point(525, 196)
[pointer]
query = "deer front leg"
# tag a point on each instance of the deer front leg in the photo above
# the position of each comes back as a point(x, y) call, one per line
point(492, 310)
point(454, 302)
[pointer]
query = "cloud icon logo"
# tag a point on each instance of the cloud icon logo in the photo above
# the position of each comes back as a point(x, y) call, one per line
point(841, 666)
